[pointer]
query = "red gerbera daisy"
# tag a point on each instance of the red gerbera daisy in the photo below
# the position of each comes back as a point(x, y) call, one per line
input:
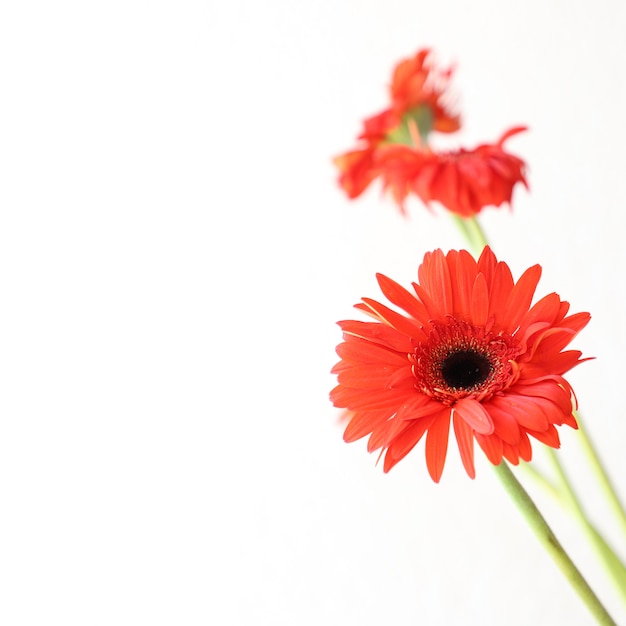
point(394, 147)
point(463, 181)
point(469, 350)
point(417, 82)
point(418, 104)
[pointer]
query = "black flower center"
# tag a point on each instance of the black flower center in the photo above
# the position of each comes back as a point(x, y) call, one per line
point(465, 369)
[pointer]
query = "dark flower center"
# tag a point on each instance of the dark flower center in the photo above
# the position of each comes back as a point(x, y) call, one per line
point(465, 369)
point(460, 360)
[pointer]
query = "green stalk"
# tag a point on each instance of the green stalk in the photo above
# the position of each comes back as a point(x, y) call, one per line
point(541, 481)
point(477, 240)
point(612, 564)
point(472, 231)
point(549, 541)
point(601, 475)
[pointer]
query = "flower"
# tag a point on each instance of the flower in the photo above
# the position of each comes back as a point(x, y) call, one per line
point(468, 349)
point(394, 146)
point(417, 82)
point(463, 181)
point(418, 103)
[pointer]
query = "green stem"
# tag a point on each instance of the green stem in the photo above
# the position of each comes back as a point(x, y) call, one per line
point(601, 475)
point(544, 483)
point(547, 538)
point(612, 564)
point(477, 240)
point(472, 231)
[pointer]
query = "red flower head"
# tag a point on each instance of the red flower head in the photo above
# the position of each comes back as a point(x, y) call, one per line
point(417, 94)
point(394, 147)
point(463, 181)
point(416, 83)
point(469, 349)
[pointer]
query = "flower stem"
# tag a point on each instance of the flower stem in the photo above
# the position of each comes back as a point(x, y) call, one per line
point(613, 565)
point(472, 231)
point(547, 538)
point(601, 475)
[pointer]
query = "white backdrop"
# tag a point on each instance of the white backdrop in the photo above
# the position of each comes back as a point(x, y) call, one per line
point(174, 254)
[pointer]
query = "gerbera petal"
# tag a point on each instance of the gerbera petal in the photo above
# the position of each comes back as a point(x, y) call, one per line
point(550, 436)
point(359, 351)
point(363, 423)
point(520, 298)
point(366, 376)
point(487, 263)
point(401, 323)
point(385, 432)
point(371, 400)
point(505, 426)
point(463, 286)
point(525, 410)
point(377, 333)
point(510, 453)
point(356, 170)
point(556, 339)
point(434, 275)
point(406, 441)
point(499, 291)
point(437, 445)
point(522, 450)
point(544, 310)
point(474, 413)
point(465, 440)
point(425, 298)
point(525, 449)
point(480, 301)
point(491, 445)
point(550, 389)
point(402, 298)
point(509, 133)
point(417, 407)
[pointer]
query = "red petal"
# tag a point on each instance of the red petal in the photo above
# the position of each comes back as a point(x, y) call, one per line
point(399, 296)
point(475, 415)
point(491, 446)
point(520, 297)
point(360, 352)
point(406, 441)
point(401, 323)
point(363, 423)
point(371, 376)
point(465, 441)
point(550, 437)
point(499, 292)
point(377, 333)
point(434, 276)
point(437, 445)
point(480, 301)
point(524, 410)
point(466, 273)
point(505, 425)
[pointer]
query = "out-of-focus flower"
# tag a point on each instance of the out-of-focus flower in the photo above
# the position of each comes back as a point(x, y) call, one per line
point(418, 83)
point(463, 181)
point(469, 349)
point(394, 146)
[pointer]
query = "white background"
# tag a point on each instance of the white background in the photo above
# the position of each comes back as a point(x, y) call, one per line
point(174, 254)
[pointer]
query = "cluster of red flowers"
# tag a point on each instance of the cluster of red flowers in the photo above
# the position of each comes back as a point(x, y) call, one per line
point(394, 148)
point(469, 349)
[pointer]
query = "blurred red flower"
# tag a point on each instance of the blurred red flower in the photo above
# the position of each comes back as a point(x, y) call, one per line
point(417, 82)
point(463, 181)
point(394, 147)
point(469, 349)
